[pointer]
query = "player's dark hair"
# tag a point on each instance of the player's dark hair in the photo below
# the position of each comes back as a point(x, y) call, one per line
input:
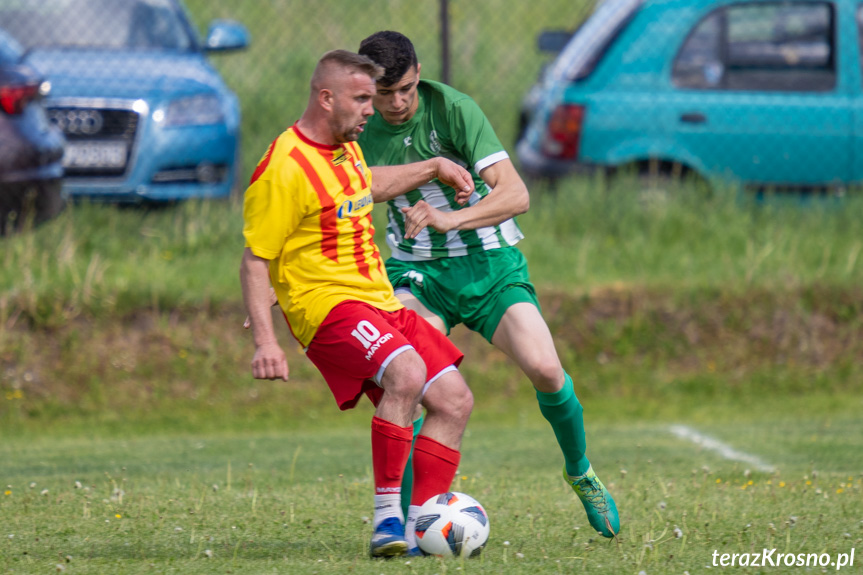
point(391, 50)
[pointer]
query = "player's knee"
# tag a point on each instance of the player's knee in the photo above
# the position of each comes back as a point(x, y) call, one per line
point(547, 375)
point(462, 401)
point(450, 397)
point(405, 376)
point(459, 404)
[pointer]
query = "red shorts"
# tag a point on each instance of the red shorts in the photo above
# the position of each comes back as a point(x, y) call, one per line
point(357, 341)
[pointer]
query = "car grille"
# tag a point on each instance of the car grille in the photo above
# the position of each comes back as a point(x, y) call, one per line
point(100, 141)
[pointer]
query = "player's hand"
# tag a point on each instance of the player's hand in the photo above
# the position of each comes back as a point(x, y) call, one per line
point(274, 301)
point(456, 177)
point(421, 215)
point(462, 196)
point(269, 362)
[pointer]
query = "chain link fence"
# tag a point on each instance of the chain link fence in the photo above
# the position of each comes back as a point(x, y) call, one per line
point(134, 90)
point(120, 68)
point(493, 53)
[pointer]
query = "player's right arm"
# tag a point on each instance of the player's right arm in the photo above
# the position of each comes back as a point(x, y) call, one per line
point(267, 221)
point(269, 361)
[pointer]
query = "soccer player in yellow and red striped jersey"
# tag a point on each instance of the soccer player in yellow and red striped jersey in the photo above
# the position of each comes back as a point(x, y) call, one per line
point(308, 231)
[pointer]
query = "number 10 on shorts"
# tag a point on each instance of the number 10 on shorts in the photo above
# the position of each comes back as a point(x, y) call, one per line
point(366, 333)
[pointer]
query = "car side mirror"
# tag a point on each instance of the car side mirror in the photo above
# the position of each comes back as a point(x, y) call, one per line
point(553, 40)
point(226, 35)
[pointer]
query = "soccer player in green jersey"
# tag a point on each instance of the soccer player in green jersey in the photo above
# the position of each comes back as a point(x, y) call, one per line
point(454, 258)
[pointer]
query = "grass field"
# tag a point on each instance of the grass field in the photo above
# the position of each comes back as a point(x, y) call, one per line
point(714, 342)
point(187, 465)
point(298, 501)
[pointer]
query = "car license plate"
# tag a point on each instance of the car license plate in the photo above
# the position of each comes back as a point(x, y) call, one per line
point(94, 155)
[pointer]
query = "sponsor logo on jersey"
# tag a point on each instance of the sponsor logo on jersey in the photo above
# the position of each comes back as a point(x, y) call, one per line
point(349, 207)
point(407, 141)
point(340, 159)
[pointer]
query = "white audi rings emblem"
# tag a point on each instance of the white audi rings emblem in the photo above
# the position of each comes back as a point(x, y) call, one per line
point(79, 122)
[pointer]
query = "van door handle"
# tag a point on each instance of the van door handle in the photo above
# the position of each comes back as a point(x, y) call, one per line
point(693, 118)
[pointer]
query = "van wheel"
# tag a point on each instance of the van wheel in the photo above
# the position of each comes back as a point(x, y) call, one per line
point(662, 178)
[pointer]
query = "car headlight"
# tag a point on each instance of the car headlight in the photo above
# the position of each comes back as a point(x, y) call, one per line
point(195, 110)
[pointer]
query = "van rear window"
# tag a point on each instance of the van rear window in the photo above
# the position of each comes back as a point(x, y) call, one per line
point(761, 46)
point(592, 40)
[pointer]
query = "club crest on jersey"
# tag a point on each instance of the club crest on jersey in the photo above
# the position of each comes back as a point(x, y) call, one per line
point(407, 141)
point(350, 207)
point(434, 143)
point(414, 276)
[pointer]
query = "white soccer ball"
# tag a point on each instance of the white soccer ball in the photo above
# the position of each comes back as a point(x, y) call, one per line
point(452, 525)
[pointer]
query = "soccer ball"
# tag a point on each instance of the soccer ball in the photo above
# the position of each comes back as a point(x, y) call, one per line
point(453, 525)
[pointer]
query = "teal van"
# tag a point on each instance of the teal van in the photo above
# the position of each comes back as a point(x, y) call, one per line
point(755, 91)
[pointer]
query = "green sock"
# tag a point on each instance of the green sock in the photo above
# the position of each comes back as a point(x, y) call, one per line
point(564, 413)
point(408, 477)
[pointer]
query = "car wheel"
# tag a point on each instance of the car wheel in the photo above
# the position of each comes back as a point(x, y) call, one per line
point(30, 205)
point(50, 202)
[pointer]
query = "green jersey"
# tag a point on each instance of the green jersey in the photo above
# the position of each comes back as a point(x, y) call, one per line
point(450, 124)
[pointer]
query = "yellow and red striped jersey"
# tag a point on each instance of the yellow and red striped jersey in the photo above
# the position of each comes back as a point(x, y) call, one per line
point(308, 210)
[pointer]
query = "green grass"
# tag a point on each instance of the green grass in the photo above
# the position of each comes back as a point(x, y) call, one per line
point(179, 452)
point(297, 502)
point(123, 365)
point(101, 260)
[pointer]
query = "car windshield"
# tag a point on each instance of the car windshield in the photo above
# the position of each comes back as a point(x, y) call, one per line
point(101, 24)
point(10, 50)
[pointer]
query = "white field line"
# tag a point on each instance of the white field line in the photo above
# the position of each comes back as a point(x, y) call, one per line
point(723, 449)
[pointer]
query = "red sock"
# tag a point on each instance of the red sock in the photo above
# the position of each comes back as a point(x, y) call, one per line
point(391, 446)
point(435, 465)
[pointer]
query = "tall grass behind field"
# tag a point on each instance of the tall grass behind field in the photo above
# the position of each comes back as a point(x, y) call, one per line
point(100, 260)
point(662, 304)
point(685, 237)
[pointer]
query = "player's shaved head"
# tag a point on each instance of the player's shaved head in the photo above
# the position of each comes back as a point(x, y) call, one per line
point(335, 64)
point(340, 99)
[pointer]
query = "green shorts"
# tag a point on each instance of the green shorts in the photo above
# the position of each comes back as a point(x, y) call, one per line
point(475, 290)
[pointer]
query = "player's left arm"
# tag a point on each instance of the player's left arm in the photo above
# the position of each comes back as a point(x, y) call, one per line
point(509, 198)
point(389, 182)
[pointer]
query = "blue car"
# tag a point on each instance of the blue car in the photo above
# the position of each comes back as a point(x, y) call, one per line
point(759, 92)
point(144, 114)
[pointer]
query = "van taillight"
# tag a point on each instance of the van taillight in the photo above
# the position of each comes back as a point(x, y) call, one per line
point(564, 132)
point(13, 99)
